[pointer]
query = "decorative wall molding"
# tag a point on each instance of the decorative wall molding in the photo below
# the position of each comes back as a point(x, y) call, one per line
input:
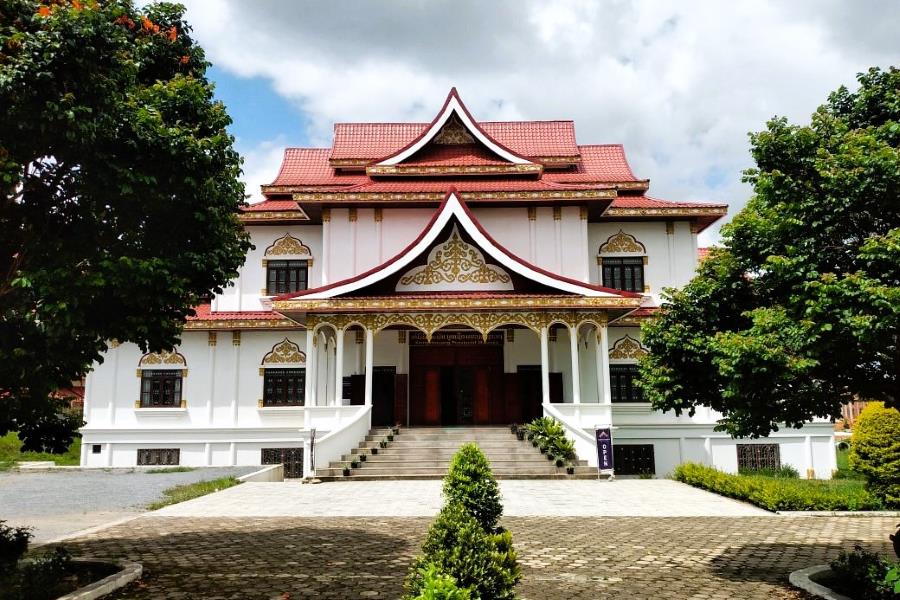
point(627, 348)
point(164, 358)
point(288, 245)
point(455, 265)
point(622, 242)
point(285, 352)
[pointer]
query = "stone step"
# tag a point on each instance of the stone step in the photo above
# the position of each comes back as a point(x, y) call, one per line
point(461, 437)
point(438, 454)
point(358, 476)
point(376, 461)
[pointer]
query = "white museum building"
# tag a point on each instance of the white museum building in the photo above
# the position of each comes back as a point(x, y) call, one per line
point(457, 273)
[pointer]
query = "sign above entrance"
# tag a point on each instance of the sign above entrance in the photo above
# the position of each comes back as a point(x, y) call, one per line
point(455, 338)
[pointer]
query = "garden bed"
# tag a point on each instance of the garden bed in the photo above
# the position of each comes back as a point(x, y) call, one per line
point(781, 493)
point(189, 491)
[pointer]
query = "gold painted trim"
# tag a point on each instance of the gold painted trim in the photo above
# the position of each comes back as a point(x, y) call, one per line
point(622, 242)
point(646, 260)
point(557, 213)
point(400, 170)
point(532, 213)
point(670, 228)
point(262, 372)
point(379, 215)
point(328, 197)
point(235, 338)
point(273, 215)
point(220, 324)
point(326, 213)
point(583, 213)
point(414, 304)
point(666, 212)
point(352, 215)
point(140, 373)
point(627, 348)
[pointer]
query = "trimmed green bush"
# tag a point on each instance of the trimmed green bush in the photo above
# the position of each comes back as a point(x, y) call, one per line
point(549, 435)
point(470, 482)
point(439, 586)
point(875, 451)
point(863, 574)
point(482, 563)
point(784, 472)
point(780, 493)
point(13, 545)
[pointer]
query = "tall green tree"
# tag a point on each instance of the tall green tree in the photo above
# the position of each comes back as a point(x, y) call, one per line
point(120, 197)
point(799, 310)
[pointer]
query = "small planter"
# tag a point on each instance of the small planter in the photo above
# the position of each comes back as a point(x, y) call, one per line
point(354, 464)
point(570, 470)
point(374, 451)
point(534, 443)
point(560, 462)
point(395, 429)
point(346, 471)
point(362, 458)
point(531, 438)
point(520, 435)
point(550, 457)
point(543, 450)
point(383, 443)
point(390, 437)
point(513, 428)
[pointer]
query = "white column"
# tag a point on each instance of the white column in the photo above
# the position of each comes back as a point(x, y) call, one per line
point(370, 361)
point(309, 391)
point(207, 454)
point(545, 365)
point(603, 375)
point(338, 366)
point(236, 343)
point(576, 373)
point(808, 451)
point(115, 385)
point(211, 342)
point(326, 243)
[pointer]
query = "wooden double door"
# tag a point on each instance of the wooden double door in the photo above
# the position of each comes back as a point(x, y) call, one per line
point(457, 385)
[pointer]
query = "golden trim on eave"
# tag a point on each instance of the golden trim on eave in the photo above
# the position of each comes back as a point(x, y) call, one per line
point(705, 211)
point(417, 304)
point(328, 197)
point(453, 169)
point(214, 324)
point(273, 215)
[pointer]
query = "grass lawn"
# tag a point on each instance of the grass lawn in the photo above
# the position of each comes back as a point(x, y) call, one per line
point(11, 453)
point(189, 491)
point(170, 470)
point(781, 493)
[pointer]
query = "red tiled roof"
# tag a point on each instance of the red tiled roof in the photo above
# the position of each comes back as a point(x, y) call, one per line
point(598, 163)
point(648, 202)
point(309, 166)
point(453, 155)
point(370, 141)
point(205, 313)
point(267, 205)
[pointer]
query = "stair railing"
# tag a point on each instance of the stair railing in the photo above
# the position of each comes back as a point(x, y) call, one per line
point(338, 442)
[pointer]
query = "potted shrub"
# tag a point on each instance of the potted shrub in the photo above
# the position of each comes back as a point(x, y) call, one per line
point(383, 443)
point(390, 437)
point(362, 458)
point(513, 428)
point(346, 471)
point(354, 463)
point(543, 449)
point(520, 434)
point(374, 451)
point(550, 456)
point(570, 470)
point(395, 429)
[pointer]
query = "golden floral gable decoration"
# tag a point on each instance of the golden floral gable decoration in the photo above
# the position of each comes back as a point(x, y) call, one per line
point(285, 352)
point(455, 265)
point(453, 132)
point(164, 358)
point(288, 245)
point(622, 242)
point(627, 348)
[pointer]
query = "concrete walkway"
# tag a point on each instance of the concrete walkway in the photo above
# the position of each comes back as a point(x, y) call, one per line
point(521, 498)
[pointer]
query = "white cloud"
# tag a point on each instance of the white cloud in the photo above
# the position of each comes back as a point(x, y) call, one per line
point(261, 163)
point(679, 83)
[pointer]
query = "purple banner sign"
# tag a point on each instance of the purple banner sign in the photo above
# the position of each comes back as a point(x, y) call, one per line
point(604, 448)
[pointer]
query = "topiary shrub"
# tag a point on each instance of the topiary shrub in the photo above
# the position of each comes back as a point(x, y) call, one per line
point(439, 586)
point(875, 451)
point(470, 483)
point(13, 544)
point(483, 564)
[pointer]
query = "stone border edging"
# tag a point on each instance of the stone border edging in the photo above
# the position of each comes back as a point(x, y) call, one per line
point(128, 573)
point(839, 513)
point(801, 579)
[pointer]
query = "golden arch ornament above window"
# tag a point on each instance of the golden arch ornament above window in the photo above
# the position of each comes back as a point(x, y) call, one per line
point(627, 348)
point(283, 353)
point(288, 245)
point(164, 358)
point(624, 243)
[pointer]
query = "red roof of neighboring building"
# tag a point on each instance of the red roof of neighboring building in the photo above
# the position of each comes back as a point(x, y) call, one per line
point(267, 205)
point(371, 141)
point(464, 185)
point(648, 202)
point(205, 313)
point(602, 163)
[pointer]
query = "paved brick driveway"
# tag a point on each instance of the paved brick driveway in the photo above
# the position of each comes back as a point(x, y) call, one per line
point(562, 557)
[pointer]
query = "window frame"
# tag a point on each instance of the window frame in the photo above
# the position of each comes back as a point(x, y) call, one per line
point(170, 390)
point(633, 393)
point(272, 399)
point(286, 267)
point(152, 457)
point(755, 453)
point(616, 270)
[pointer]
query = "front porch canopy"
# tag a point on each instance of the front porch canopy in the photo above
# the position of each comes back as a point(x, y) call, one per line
point(455, 274)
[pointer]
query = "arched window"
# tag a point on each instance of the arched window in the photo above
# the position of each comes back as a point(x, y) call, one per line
point(287, 262)
point(623, 369)
point(284, 375)
point(162, 375)
point(621, 259)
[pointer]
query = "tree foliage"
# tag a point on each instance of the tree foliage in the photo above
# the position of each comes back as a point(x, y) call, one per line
point(120, 193)
point(470, 482)
point(798, 311)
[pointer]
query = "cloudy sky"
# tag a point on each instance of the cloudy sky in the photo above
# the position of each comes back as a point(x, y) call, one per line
point(678, 83)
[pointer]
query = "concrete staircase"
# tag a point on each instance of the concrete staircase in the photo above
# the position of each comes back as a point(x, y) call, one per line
point(425, 453)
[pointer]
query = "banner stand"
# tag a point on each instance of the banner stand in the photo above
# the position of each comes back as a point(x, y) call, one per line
point(605, 463)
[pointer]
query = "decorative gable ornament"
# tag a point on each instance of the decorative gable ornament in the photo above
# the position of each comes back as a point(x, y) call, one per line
point(627, 348)
point(164, 358)
point(455, 265)
point(622, 242)
point(453, 132)
point(288, 245)
point(283, 353)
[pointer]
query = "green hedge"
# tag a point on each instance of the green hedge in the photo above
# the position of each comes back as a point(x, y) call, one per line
point(875, 451)
point(780, 493)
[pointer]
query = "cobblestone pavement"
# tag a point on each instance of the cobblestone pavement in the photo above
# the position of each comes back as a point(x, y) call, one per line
point(63, 501)
point(521, 498)
point(562, 558)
